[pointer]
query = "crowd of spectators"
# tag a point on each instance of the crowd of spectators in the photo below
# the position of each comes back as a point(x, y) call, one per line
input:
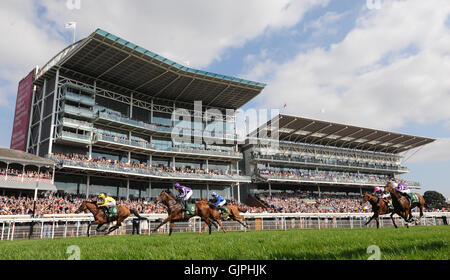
point(32, 174)
point(303, 202)
point(280, 202)
point(142, 166)
point(331, 176)
point(67, 204)
point(328, 161)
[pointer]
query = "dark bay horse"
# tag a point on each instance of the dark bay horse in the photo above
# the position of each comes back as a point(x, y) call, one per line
point(379, 207)
point(175, 213)
point(402, 205)
point(101, 219)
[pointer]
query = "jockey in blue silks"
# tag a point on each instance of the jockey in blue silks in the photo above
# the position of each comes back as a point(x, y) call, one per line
point(220, 202)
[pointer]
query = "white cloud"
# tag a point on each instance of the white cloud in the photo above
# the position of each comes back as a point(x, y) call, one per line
point(392, 68)
point(197, 31)
point(438, 151)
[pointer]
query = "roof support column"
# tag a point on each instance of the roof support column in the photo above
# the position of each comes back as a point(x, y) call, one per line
point(131, 105)
point(239, 192)
point(128, 188)
point(23, 172)
point(52, 127)
point(90, 151)
point(42, 116)
point(151, 112)
point(149, 189)
point(88, 186)
point(53, 175)
point(30, 122)
point(173, 163)
point(270, 189)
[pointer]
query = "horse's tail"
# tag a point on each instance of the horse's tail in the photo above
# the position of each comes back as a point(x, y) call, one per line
point(134, 212)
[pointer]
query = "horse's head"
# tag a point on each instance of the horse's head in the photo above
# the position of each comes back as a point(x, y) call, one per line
point(82, 208)
point(164, 196)
point(389, 187)
point(365, 198)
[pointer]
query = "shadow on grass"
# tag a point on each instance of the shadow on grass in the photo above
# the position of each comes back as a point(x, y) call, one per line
point(361, 254)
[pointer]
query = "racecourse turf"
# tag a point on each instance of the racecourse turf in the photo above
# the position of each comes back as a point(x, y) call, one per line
point(327, 244)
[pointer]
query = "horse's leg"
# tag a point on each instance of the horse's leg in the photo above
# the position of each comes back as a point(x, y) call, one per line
point(203, 229)
point(393, 221)
point(371, 218)
point(99, 226)
point(378, 221)
point(172, 225)
point(161, 224)
point(221, 226)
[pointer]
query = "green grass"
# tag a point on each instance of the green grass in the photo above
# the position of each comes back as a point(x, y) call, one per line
point(330, 244)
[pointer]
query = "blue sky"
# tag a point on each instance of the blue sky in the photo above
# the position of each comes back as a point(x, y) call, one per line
point(334, 60)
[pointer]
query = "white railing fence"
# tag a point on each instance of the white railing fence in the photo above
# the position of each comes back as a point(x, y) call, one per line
point(63, 226)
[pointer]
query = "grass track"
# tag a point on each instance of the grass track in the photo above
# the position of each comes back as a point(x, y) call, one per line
point(328, 244)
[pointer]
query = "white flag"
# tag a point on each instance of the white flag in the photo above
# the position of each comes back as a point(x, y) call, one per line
point(71, 25)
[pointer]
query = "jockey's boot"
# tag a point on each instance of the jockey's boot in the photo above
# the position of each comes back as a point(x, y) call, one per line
point(224, 211)
point(183, 205)
point(113, 211)
point(106, 210)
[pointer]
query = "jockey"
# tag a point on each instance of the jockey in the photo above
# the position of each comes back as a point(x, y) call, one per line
point(380, 193)
point(219, 201)
point(184, 194)
point(107, 202)
point(402, 188)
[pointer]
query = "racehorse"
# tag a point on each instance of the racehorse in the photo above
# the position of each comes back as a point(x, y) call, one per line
point(402, 205)
point(233, 214)
point(379, 207)
point(101, 219)
point(175, 212)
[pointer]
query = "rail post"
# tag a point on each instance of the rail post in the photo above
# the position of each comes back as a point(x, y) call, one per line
point(53, 229)
point(42, 229)
point(318, 221)
point(351, 222)
point(65, 230)
point(3, 229)
point(9, 231)
point(13, 228)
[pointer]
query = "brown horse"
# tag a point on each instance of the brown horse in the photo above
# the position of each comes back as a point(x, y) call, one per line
point(176, 214)
point(233, 214)
point(402, 205)
point(379, 207)
point(100, 218)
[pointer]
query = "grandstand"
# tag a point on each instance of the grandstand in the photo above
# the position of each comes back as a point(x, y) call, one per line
point(103, 110)
point(319, 156)
point(21, 172)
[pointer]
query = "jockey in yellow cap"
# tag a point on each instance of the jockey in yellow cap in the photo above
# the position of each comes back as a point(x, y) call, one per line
point(108, 204)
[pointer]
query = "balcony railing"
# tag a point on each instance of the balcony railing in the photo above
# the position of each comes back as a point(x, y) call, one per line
point(77, 124)
point(150, 172)
point(79, 98)
point(316, 162)
point(332, 180)
point(81, 112)
point(159, 128)
point(75, 136)
point(147, 146)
